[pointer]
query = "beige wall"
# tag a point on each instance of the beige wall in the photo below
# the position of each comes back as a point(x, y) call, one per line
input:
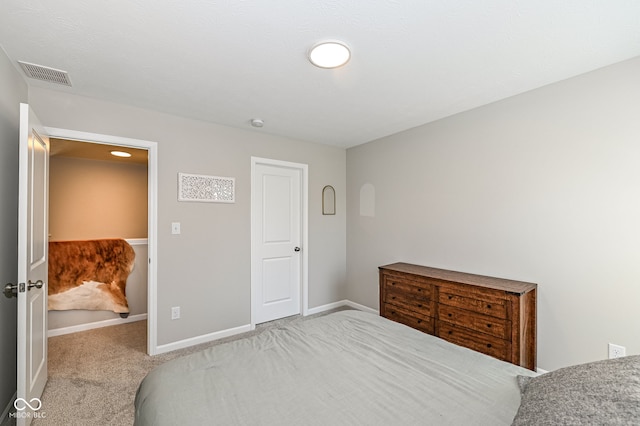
point(91, 199)
point(540, 187)
point(13, 90)
point(206, 269)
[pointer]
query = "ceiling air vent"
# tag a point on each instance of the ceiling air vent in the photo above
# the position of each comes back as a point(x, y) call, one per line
point(40, 72)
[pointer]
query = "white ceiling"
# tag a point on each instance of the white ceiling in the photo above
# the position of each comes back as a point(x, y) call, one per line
point(228, 61)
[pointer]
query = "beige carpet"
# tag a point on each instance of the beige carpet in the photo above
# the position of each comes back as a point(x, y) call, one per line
point(94, 375)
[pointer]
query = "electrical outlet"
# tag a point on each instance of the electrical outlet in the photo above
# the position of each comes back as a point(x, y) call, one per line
point(175, 313)
point(616, 351)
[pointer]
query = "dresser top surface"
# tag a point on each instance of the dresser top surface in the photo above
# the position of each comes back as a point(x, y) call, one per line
point(510, 286)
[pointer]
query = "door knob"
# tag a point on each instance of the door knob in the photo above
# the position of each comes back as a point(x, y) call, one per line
point(296, 249)
point(11, 290)
point(37, 284)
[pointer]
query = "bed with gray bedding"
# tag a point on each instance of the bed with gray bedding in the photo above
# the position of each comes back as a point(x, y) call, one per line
point(346, 368)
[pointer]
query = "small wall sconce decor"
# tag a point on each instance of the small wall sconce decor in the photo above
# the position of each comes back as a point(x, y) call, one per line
point(206, 189)
point(328, 200)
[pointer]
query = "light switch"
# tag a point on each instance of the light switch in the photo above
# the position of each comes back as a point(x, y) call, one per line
point(175, 228)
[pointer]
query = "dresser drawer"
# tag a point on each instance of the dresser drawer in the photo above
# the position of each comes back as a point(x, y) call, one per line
point(412, 319)
point(408, 302)
point(412, 289)
point(483, 304)
point(483, 323)
point(484, 343)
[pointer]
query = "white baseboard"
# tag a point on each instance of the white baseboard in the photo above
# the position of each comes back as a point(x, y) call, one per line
point(360, 307)
point(181, 344)
point(4, 420)
point(541, 371)
point(324, 308)
point(340, 304)
point(97, 324)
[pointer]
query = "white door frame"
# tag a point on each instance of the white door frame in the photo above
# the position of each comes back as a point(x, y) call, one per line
point(152, 237)
point(304, 168)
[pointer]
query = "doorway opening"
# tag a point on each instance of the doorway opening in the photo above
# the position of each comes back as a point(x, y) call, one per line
point(96, 197)
point(120, 201)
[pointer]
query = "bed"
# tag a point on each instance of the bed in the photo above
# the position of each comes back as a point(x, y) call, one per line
point(356, 368)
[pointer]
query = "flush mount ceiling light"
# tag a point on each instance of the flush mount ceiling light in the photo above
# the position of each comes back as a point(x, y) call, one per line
point(329, 54)
point(121, 154)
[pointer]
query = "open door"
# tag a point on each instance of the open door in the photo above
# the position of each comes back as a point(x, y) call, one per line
point(33, 205)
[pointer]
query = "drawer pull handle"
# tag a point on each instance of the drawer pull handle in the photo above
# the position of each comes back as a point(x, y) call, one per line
point(488, 306)
point(419, 306)
point(393, 298)
point(489, 345)
point(450, 332)
point(419, 290)
point(450, 315)
point(419, 321)
point(489, 325)
point(450, 297)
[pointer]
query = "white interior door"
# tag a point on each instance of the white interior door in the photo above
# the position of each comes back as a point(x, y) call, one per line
point(32, 266)
point(276, 249)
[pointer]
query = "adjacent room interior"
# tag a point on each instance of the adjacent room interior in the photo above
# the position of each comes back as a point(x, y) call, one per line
point(96, 195)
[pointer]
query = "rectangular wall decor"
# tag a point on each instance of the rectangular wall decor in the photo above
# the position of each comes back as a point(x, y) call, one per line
point(206, 189)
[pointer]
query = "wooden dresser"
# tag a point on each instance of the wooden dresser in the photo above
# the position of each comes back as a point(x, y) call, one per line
point(490, 315)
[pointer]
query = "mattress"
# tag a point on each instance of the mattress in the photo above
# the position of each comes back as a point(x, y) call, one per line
point(346, 368)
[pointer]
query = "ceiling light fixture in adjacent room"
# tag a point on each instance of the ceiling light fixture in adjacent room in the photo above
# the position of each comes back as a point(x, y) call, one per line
point(256, 122)
point(121, 154)
point(329, 54)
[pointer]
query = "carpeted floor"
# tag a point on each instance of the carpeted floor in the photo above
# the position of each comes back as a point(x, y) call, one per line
point(94, 375)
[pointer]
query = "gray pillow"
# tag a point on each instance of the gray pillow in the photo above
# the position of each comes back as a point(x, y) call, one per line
point(598, 393)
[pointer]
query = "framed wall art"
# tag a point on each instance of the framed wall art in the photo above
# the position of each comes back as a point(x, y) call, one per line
point(206, 189)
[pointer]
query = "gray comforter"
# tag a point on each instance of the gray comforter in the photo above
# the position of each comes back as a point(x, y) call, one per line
point(347, 368)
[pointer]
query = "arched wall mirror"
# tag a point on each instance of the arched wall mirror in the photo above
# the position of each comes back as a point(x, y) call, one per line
point(328, 200)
